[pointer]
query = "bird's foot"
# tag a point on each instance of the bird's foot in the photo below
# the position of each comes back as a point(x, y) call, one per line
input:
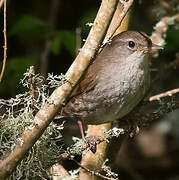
point(92, 142)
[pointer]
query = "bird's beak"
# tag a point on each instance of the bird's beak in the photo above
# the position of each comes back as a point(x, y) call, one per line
point(155, 48)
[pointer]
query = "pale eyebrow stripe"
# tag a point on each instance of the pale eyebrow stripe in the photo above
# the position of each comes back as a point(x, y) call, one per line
point(147, 38)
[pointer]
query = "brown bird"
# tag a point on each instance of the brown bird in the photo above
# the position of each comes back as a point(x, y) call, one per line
point(115, 82)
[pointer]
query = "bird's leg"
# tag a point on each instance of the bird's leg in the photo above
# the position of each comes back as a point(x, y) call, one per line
point(92, 141)
point(80, 124)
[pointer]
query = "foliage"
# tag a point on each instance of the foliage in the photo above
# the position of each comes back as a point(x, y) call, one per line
point(28, 25)
point(65, 38)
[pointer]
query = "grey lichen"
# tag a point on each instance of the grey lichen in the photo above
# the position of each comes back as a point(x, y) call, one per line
point(18, 117)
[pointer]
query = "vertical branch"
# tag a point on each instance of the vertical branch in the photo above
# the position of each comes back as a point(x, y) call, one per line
point(95, 161)
point(5, 42)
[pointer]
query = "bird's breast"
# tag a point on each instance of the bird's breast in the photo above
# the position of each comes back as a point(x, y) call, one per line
point(116, 94)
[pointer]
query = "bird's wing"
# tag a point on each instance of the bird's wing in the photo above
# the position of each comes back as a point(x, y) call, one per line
point(86, 85)
point(91, 77)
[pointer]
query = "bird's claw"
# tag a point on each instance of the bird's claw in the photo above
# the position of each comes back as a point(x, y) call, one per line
point(92, 142)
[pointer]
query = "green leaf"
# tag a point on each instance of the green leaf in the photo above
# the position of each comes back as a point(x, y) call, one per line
point(56, 43)
point(69, 41)
point(65, 38)
point(27, 25)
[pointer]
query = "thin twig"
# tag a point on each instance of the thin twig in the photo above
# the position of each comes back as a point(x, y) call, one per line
point(92, 172)
point(144, 116)
point(168, 93)
point(5, 43)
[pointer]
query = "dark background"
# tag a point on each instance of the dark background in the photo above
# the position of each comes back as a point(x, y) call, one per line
point(44, 28)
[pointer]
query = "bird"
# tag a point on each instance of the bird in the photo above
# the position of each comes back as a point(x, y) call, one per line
point(115, 82)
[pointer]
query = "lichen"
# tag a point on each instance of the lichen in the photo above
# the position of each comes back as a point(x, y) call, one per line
point(19, 118)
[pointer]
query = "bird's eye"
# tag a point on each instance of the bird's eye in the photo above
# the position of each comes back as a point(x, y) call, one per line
point(131, 44)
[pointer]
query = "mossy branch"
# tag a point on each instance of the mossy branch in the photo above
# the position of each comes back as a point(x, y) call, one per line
point(59, 96)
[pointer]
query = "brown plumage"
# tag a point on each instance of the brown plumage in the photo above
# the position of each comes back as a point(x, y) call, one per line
point(115, 82)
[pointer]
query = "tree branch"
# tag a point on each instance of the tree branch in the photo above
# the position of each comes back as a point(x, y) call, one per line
point(59, 96)
point(5, 41)
point(168, 93)
point(58, 172)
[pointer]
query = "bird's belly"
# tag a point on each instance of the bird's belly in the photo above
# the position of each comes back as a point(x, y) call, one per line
point(111, 111)
point(110, 100)
point(119, 101)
